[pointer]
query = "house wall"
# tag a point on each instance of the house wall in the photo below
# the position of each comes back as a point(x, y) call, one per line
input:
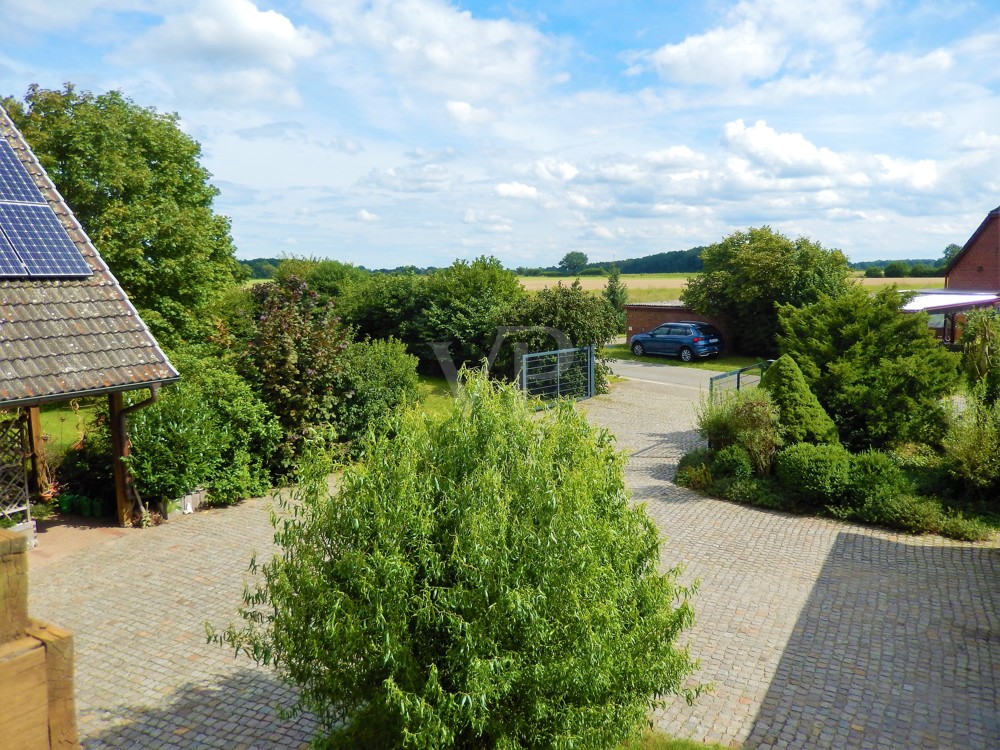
point(642, 318)
point(978, 268)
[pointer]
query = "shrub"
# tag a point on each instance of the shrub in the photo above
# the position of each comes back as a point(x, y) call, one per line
point(799, 411)
point(880, 374)
point(818, 475)
point(694, 470)
point(758, 491)
point(874, 272)
point(981, 352)
point(874, 475)
point(377, 377)
point(479, 580)
point(972, 445)
point(733, 461)
point(745, 417)
point(177, 444)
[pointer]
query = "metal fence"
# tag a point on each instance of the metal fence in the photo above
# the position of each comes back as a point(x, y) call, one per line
point(741, 378)
point(563, 373)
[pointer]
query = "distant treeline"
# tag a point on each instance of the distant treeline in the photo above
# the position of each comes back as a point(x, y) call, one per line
point(676, 261)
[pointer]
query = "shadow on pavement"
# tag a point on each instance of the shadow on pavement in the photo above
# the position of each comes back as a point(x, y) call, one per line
point(897, 646)
point(239, 712)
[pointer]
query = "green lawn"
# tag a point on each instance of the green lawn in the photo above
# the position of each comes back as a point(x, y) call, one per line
point(660, 741)
point(61, 427)
point(725, 363)
point(435, 394)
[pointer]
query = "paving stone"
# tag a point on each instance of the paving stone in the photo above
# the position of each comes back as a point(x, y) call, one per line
point(805, 626)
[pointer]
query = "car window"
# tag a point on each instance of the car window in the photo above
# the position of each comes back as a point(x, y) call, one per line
point(661, 331)
point(680, 331)
point(710, 331)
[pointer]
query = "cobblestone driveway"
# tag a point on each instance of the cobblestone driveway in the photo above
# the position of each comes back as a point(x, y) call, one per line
point(814, 634)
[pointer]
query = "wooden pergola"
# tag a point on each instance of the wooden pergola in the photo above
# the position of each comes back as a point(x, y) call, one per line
point(65, 338)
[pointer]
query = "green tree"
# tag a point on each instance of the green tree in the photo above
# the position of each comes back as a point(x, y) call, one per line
point(949, 254)
point(134, 181)
point(582, 318)
point(874, 272)
point(479, 580)
point(750, 272)
point(573, 262)
point(801, 416)
point(616, 294)
point(294, 358)
point(878, 372)
point(897, 269)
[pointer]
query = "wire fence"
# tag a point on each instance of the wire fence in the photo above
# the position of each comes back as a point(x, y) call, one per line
point(563, 373)
point(745, 377)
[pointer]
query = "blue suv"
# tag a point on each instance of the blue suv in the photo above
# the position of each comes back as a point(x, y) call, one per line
point(686, 339)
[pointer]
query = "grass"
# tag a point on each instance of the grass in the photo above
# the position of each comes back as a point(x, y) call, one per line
point(724, 363)
point(661, 741)
point(61, 427)
point(435, 394)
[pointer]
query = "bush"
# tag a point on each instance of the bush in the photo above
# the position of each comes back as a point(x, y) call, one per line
point(875, 475)
point(758, 491)
point(880, 374)
point(981, 353)
point(377, 377)
point(479, 580)
point(818, 475)
point(694, 470)
point(177, 444)
point(972, 446)
point(745, 417)
point(799, 411)
point(733, 461)
point(874, 272)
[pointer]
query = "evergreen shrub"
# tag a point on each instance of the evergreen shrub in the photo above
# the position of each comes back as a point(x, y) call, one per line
point(818, 475)
point(802, 418)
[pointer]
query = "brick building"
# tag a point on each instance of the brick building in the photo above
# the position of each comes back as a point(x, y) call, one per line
point(977, 266)
point(645, 316)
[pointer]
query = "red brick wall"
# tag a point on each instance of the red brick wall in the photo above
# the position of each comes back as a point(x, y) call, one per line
point(979, 267)
point(642, 318)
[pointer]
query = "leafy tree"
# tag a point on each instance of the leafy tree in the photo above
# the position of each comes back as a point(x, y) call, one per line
point(479, 580)
point(897, 269)
point(800, 413)
point(573, 262)
point(949, 254)
point(874, 272)
point(923, 270)
point(750, 272)
point(582, 318)
point(616, 294)
point(330, 278)
point(294, 358)
point(981, 352)
point(134, 181)
point(878, 372)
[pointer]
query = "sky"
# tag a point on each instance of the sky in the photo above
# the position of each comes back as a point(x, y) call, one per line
point(398, 132)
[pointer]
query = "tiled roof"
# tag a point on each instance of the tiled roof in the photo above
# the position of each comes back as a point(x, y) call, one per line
point(60, 339)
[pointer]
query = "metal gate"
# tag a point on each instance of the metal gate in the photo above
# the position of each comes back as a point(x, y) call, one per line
point(741, 378)
point(562, 373)
point(13, 466)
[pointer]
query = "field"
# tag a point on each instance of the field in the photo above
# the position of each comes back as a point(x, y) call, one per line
point(661, 287)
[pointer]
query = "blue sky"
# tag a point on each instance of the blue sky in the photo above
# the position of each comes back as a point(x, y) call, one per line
point(386, 132)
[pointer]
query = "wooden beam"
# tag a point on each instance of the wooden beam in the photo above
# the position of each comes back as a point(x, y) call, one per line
point(37, 480)
point(119, 451)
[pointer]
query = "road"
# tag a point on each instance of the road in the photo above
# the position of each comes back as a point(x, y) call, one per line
point(658, 372)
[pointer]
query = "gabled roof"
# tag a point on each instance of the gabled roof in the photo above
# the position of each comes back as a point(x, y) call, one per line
point(993, 215)
point(71, 337)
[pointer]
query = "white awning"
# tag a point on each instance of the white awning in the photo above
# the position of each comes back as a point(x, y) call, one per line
point(943, 301)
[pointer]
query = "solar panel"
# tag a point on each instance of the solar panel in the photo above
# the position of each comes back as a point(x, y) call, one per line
point(10, 263)
point(15, 182)
point(37, 236)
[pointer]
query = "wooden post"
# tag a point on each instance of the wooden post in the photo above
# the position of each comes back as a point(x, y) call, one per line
point(36, 481)
point(120, 450)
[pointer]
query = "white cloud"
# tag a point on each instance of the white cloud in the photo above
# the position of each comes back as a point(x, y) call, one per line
point(553, 169)
point(231, 33)
point(981, 141)
point(788, 154)
point(465, 113)
point(916, 174)
point(367, 216)
point(674, 156)
point(516, 190)
point(417, 178)
point(487, 222)
point(438, 47)
point(722, 56)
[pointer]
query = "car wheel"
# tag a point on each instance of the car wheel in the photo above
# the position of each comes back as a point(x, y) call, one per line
point(686, 354)
point(638, 349)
